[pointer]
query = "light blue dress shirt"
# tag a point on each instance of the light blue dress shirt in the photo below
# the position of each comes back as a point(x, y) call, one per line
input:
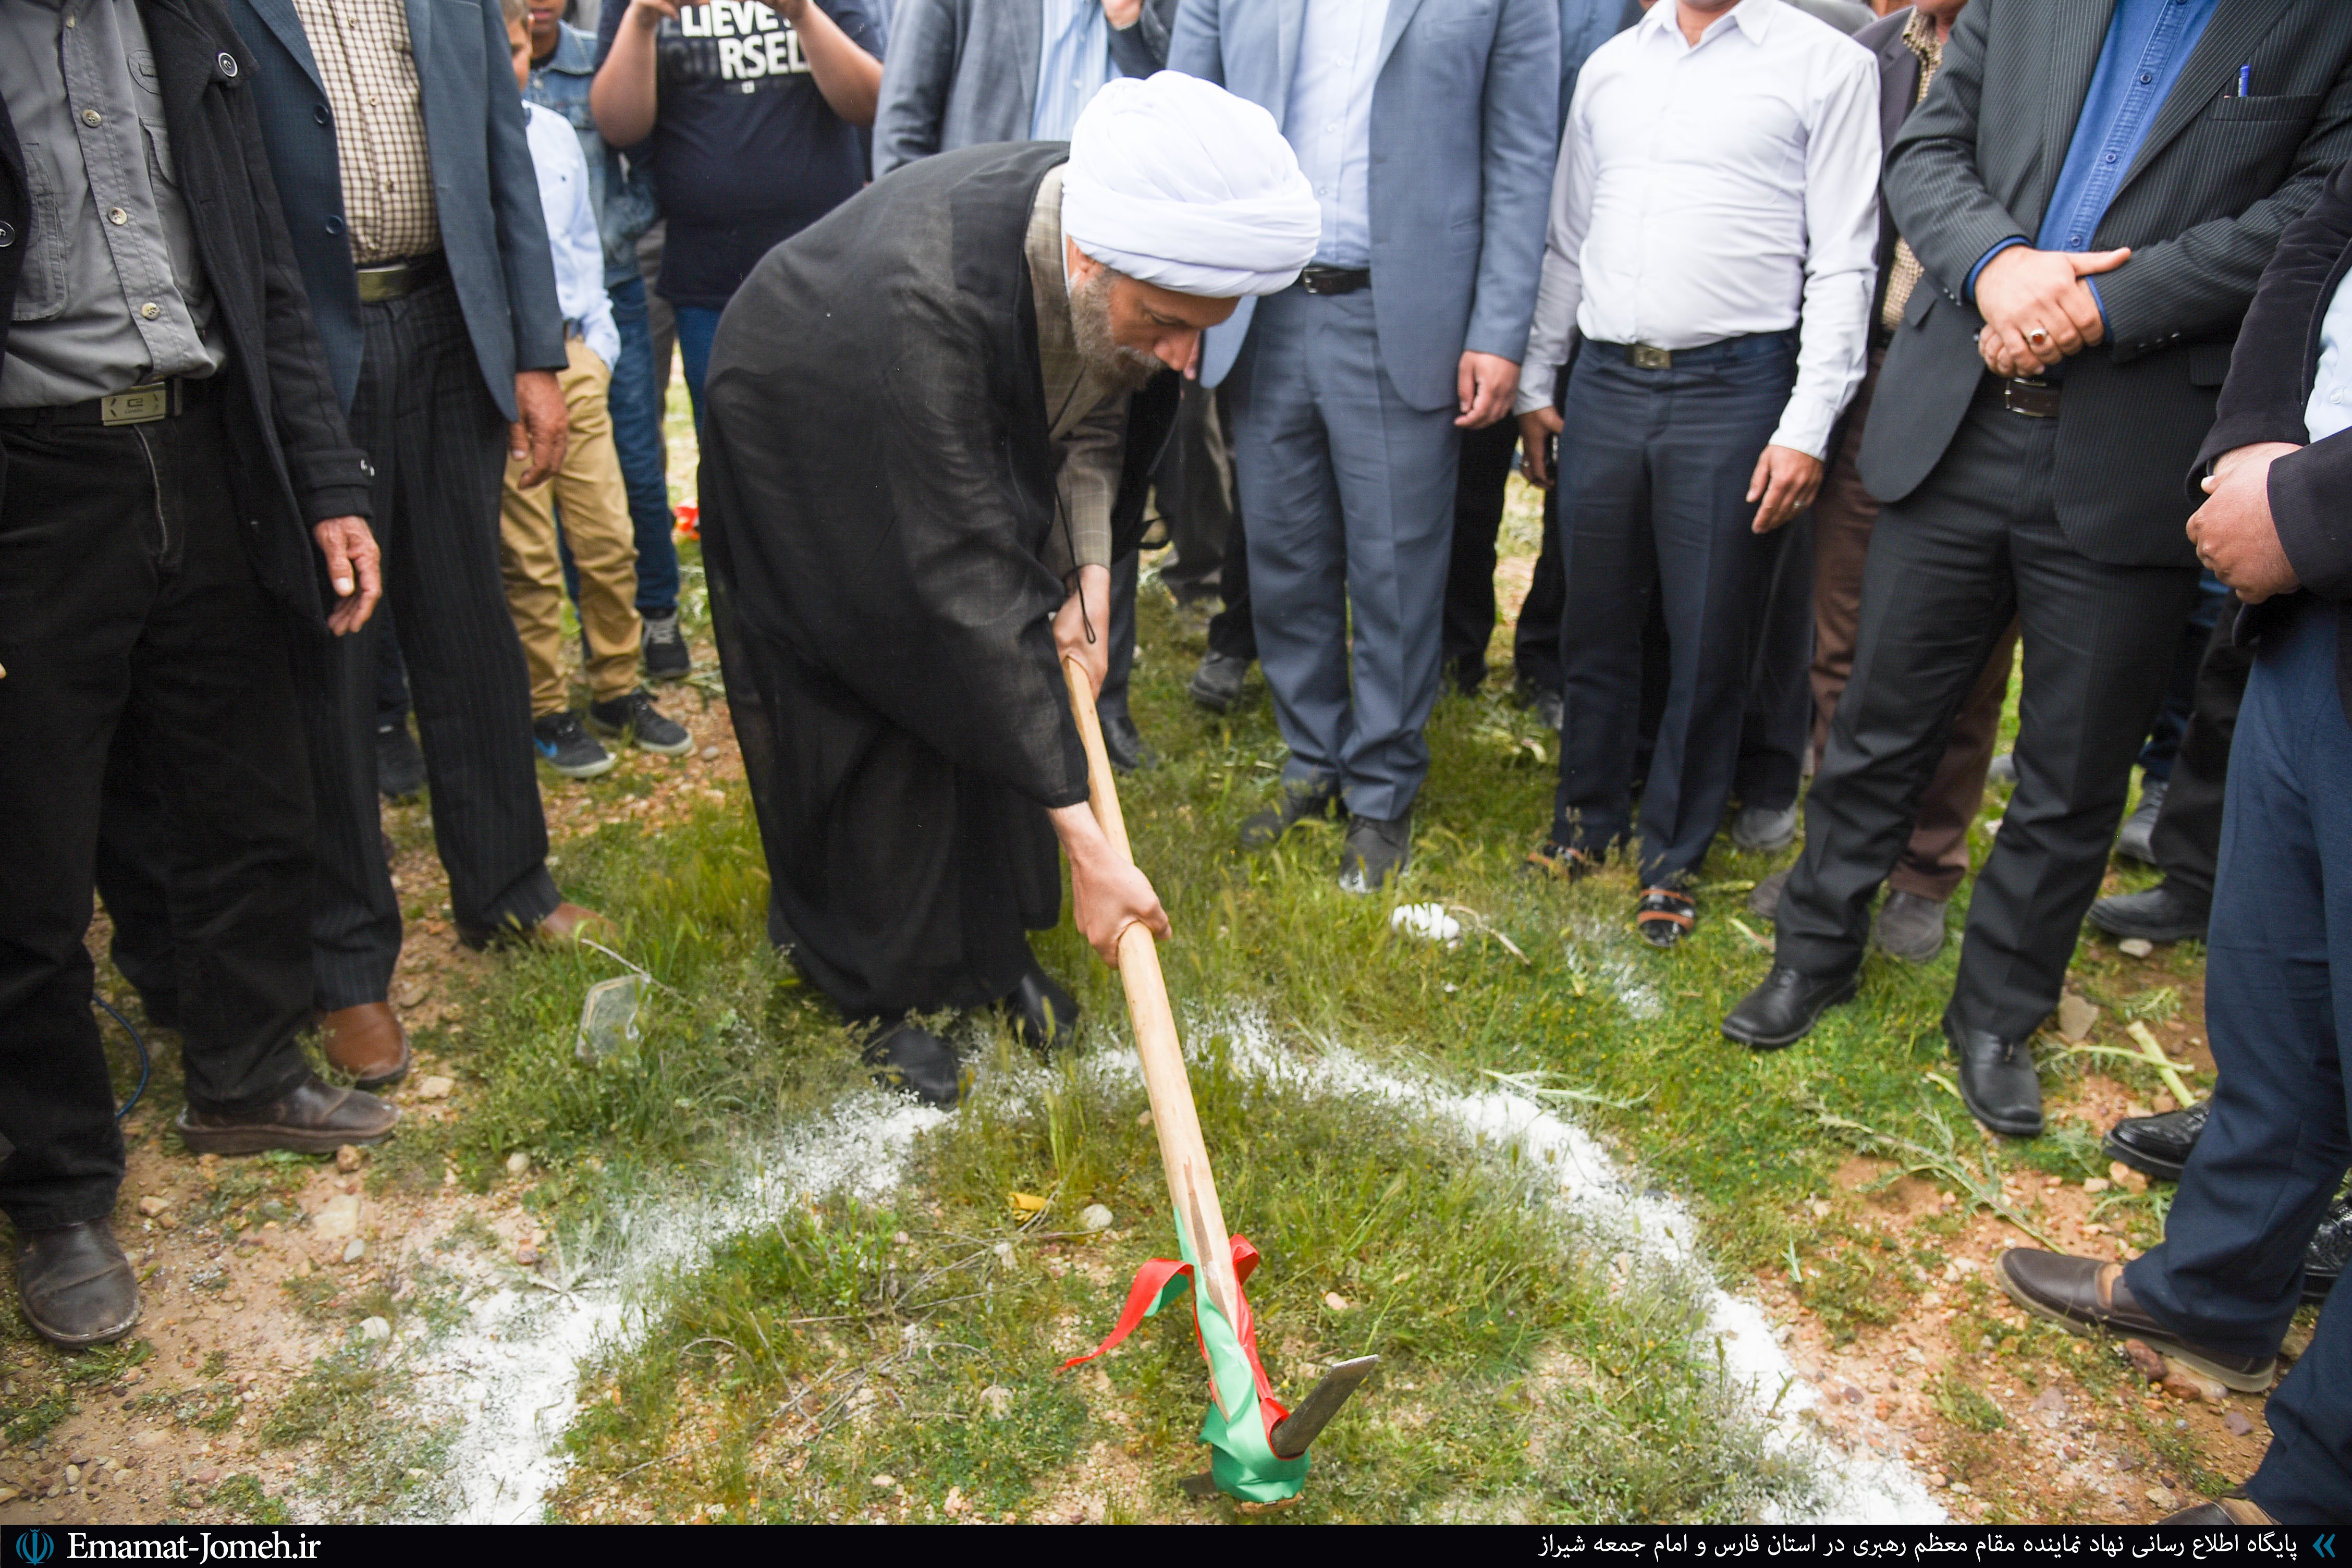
point(2329, 412)
point(1073, 63)
point(1328, 122)
point(2148, 43)
point(571, 230)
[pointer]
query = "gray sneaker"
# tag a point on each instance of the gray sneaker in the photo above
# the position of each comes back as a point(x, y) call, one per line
point(567, 748)
point(635, 717)
point(663, 647)
point(2134, 842)
point(1911, 927)
point(1764, 901)
point(1376, 850)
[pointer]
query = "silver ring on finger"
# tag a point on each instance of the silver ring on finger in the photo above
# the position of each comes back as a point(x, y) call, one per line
point(2038, 336)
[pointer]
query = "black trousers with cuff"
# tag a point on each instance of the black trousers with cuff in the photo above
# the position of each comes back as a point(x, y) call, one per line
point(132, 625)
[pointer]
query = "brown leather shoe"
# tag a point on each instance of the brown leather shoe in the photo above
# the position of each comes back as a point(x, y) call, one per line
point(567, 925)
point(366, 1042)
point(313, 1118)
point(2222, 1513)
point(2084, 1294)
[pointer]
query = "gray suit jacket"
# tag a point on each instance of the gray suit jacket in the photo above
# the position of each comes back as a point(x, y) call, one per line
point(1466, 125)
point(962, 72)
point(492, 229)
point(2215, 181)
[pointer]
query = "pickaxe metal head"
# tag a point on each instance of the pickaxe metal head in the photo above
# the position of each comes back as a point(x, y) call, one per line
point(1303, 1425)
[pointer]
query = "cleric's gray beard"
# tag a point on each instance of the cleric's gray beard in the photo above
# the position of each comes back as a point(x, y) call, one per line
point(1124, 369)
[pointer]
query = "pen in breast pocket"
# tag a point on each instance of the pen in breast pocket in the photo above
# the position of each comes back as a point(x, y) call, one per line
point(2246, 81)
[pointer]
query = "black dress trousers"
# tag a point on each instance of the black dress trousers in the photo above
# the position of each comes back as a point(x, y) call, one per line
point(130, 618)
point(1479, 491)
point(438, 447)
point(1949, 565)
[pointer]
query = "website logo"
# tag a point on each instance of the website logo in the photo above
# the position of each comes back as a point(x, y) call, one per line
point(35, 1546)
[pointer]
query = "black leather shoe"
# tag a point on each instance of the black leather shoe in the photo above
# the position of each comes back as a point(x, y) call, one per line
point(2158, 1145)
point(1319, 798)
point(916, 1062)
point(313, 1118)
point(76, 1286)
point(2168, 911)
point(2331, 1250)
point(1785, 1007)
point(2085, 1294)
point(1123, 743)
point(1043, 1013)
point(1217, 684)
point(1376, 850)
point(1998, 1082)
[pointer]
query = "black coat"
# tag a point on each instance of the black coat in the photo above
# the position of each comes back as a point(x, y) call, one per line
point(2217, 179)
point(878, 489)
point(2270, 377)
point(293, 463)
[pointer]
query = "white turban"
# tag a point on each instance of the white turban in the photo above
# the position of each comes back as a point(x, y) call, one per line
point(1175, 181)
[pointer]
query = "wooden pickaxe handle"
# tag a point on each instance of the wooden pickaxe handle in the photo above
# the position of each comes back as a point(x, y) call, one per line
point(1191, 1188)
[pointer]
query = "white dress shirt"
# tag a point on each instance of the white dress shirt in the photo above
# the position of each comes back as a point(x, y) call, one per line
point(1713, 191)
point(1329, 121)
point(571, 231)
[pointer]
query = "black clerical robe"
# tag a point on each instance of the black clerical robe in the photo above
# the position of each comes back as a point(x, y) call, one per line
point(877, 492)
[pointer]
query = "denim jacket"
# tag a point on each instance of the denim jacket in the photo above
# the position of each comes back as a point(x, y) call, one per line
point(620, 185)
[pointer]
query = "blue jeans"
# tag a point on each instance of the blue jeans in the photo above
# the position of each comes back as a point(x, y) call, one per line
point(697, 325)
point(2278, 1009)
point(637, 404)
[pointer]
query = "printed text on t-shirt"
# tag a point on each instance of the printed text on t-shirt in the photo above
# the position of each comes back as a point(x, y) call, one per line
point(753, 41)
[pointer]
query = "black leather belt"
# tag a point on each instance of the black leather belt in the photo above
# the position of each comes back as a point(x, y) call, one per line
point(1319, 279)
point(2034, 399)
point(385, 280)
point(142, 404)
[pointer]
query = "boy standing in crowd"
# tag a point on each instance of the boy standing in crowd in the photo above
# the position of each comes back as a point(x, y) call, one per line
point(621, 193)
point(588, 487)
point(754, 112)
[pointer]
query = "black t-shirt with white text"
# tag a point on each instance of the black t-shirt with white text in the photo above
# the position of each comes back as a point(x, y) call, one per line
point(747, 152)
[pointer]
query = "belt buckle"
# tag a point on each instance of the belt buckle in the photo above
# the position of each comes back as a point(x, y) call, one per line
point(1644, 357)
point(378, 284)
point(141, 405)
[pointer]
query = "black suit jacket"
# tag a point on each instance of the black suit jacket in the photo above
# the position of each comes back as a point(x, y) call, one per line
point(293, 463)
point(2270, 377)
point(2217, 179)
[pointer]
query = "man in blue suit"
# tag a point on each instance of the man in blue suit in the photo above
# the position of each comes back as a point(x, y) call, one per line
point(396, 133)
point(1428, 129)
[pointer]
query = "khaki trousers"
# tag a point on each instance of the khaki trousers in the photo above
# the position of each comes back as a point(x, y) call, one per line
point(1936, 858)
point(595, 511)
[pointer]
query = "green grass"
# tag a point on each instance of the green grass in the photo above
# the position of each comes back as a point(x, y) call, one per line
point(1524, 1376)
point(1442, 1278)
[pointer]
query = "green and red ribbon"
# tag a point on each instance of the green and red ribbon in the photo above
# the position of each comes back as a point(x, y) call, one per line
point(1243, 1412)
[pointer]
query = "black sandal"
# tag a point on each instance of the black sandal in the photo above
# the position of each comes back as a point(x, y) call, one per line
point(1561, 862)
point(1664, 916)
